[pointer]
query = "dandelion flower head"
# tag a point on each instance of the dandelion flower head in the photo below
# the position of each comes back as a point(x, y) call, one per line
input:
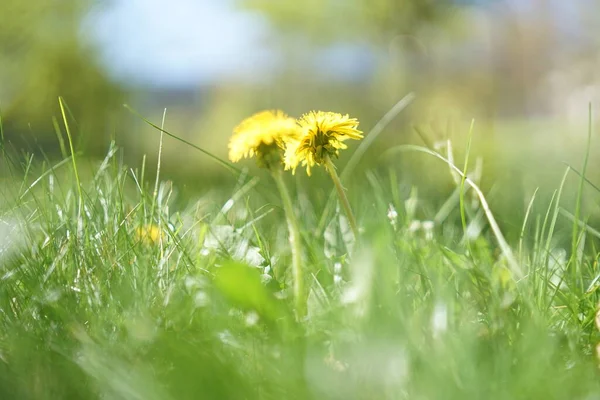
point(262, 135)
point(323, 134)
point(149, 234)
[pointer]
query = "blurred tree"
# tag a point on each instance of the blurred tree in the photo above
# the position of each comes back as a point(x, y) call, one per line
point(395, 37)
point(375, 20)
point(43, 55)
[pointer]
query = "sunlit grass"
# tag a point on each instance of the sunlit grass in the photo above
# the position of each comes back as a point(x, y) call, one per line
point(112, 287)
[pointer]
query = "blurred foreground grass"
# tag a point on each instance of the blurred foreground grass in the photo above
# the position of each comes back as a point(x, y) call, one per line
point(112, 288)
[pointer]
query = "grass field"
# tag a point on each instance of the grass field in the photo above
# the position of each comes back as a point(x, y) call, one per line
point(111, 287)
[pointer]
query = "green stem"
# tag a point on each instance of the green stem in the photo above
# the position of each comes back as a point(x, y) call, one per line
point(342, 195)
point(294, 237)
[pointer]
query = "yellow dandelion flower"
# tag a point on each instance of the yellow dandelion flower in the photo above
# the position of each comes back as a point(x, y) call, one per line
point(150, 234)
point(323, 134)
point(263, 135)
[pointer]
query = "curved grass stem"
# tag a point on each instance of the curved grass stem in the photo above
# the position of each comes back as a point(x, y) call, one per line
point(342, 195)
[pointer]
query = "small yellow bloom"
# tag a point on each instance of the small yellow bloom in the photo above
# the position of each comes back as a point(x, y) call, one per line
point(323, 134)
point(150, 234)
point(262, 135)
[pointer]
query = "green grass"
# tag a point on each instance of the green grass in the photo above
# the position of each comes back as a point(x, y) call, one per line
point(430, 302)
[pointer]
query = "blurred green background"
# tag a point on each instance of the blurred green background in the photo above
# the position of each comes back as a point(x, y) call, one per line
point(90, 309)
point(525, 70)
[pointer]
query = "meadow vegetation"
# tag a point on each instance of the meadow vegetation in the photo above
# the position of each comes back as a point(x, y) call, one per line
point(113, 286)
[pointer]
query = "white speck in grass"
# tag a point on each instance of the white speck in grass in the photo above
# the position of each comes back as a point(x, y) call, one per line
point(392, 215)
point(337, 271)
point(414, 226)
point(428, 225)
point(337, 268)
point(201, 299)
point(439, 319)
point(251, 318)
point(428, 229)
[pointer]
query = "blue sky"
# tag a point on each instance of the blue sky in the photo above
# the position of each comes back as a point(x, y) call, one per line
point(178, 42)
point(190, 42)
